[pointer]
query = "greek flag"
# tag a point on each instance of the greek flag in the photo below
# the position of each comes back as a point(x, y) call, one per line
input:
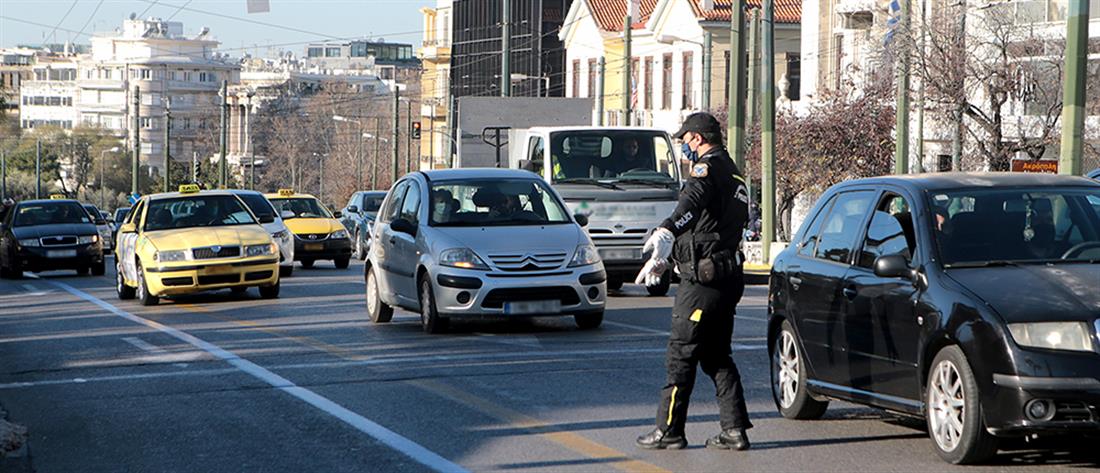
point(892, 22)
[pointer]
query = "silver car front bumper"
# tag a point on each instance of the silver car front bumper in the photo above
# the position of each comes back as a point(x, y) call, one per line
point(579, 290)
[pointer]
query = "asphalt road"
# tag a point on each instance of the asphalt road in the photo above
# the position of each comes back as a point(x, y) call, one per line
point(224, 383)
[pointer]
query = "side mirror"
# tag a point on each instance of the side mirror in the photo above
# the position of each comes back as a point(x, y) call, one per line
point(286, 214)
point(893, 266)
point(353, 209)
point(581, 219)
point(127, 228)
point(100, 221)
point(337, 214)
point(403, 226)
point(266, 219)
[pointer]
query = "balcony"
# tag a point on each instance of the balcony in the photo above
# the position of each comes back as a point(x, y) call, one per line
point(856, 14)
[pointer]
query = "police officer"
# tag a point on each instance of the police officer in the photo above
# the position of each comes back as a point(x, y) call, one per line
point(702, 237)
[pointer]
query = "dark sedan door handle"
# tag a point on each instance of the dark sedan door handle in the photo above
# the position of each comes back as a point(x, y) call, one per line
point(795, 282)
point(850, 292)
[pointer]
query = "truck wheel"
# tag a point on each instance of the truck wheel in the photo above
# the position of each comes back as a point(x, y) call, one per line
point(662, 287)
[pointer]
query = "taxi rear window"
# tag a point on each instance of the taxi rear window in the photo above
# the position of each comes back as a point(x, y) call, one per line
point(50, 213)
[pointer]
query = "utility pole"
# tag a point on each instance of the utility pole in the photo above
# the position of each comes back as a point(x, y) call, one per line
point(38, 169)
point(1073, 91)
point(3, 175)
point(248, 144)
point(223, 165)
point(505, 58)
point(167, 144)
point(602, 69)
point(408, 135)
point(752, 108)
point(451, 106)
point(396, 129)
point(359, 160)
point(767, 127)
point(374, 158)
point(628, 91)
point(901, 142)
point(135, 161)
point(708, 58)
point(321, 178)
point(920, 97)
point(735, 133)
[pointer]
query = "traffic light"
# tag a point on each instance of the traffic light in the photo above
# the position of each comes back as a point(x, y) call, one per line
point(416, 130)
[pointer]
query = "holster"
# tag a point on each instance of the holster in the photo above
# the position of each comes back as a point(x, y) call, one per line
point(718, 266)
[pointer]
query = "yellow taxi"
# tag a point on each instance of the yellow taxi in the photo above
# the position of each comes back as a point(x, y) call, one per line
point(191, 241)
point(318, 235)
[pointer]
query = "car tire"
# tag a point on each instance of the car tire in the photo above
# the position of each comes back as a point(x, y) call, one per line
point(430, 320)
point(589, 321)
point(142, 292)
point(124, 292)
point(954, 410)
point(360, 248)
point(270, 292)
point(286, 271)
point(342, 263)
point(788, 378)
point(378, 311)
point(82, 271)
point(614, 284)
point(307, 263)
point(100, 268)
point(661, 289)
point(238, 290)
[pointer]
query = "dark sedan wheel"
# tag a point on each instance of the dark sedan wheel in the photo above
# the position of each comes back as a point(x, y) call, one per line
point(788, 373)
point(342, 263)
point(378, 311)
point(954, 412)
point(100, 268)
point(429, 317)
point(124, 292)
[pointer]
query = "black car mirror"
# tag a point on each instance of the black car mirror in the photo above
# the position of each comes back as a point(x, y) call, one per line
point(353, 209)
point(266, 219)
point(582, 220)
point(403, 226)
point(100, 221)
point(893, 266)
point(337, 214)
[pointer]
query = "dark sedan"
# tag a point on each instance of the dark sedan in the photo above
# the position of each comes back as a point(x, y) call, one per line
point(358, 216)
point(46, 235)
point(1095, 174)
point(971, 300)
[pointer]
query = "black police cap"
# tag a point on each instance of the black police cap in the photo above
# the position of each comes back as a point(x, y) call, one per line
point(700, 122)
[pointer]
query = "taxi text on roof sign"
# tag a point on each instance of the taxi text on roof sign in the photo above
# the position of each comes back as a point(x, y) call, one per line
point(189, 188)
point(57, 196)
point(286, 192)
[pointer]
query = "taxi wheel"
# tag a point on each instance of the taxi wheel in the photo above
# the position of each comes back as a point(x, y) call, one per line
point(238, 289)
point(307, 263)
point(378, 311)
point(270, 292)
point(342, 263)
point(124, 292)
point(589, 321)
point(99, 269)
point(429, 317)
point(142, 293)
point(662, 287)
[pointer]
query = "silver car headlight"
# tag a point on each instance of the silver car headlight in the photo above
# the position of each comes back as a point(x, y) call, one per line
point(87, 239)
point(261, 250)
point(171, 256)
point(30, 242)
point(1073, 336)
point(584, 256)
point(464, 258)
point(339, 235)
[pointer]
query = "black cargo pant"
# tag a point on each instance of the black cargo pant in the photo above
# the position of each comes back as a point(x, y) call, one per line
point(702, 329)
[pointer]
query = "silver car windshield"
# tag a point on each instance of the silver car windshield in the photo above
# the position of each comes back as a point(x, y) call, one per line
point(495, 202)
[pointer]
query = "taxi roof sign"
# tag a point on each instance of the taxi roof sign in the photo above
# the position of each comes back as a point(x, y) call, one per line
point(286, 192)
point(57, 197)
point(189, 188)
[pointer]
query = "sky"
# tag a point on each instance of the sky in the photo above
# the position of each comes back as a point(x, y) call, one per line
point(288, 26)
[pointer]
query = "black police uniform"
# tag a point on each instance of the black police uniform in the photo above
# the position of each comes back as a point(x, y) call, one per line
point(708, 223)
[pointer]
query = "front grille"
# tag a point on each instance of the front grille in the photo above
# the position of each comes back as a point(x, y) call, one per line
point(312, 236)
point(219, 279)
point(496, 298)
point(257, 275)
point(534, 261)
point(1072, 412)
point(177, 281)
point(59, 240)
point(211, 252)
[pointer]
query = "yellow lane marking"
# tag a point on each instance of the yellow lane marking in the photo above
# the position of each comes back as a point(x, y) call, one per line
point(577, 443)
point(339, 352)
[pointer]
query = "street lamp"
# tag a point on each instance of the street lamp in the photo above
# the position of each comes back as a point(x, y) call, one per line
point(516, 77)
point(101, 178)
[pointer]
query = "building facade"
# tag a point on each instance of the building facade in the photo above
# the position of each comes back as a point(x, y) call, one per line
point(16, 67)
point(389, 61)
point(49, 98)
point(435, 57)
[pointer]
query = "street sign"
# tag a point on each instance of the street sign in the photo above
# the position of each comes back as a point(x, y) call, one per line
point(1048, 166)
point(133, 198)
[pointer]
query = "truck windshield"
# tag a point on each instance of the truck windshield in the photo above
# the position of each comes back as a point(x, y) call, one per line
point(608, 156)
point(495, 202)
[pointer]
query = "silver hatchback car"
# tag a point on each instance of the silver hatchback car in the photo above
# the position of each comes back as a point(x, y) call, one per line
point(481, 242)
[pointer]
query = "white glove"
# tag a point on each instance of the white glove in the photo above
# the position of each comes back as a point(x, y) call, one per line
point(651, 273)
point(659, 245)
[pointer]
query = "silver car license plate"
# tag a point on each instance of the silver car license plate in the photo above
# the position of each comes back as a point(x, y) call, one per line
point(626, 254)
point(61, 254)
point(532, 307)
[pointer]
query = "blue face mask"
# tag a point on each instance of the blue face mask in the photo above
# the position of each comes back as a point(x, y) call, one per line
point(692, 156)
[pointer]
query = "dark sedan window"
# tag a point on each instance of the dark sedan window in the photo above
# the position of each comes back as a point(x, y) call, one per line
point(980, 227)
point(889, 233)
point(841, 228)
point(809, 239)
point(371, 203)
point(50, 213)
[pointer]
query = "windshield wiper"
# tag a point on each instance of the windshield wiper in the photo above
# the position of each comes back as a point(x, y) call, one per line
point(589, 181)
point(983, 264)
point(664, 184)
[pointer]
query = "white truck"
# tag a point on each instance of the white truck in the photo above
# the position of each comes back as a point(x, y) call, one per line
point(626, 180)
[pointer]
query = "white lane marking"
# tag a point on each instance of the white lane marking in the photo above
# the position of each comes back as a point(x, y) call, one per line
point(124, 377)
point(386, 436)
point(143, 345)
point(33, 290)
point(636, 327)
point(522, 341)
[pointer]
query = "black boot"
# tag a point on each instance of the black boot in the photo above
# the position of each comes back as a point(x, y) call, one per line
point(660, 440)
point(732, 439)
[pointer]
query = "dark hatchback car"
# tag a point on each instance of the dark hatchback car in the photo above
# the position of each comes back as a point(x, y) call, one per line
point(46, 235)
point(971, 300)
point(358, 216)
point(1095, 174)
